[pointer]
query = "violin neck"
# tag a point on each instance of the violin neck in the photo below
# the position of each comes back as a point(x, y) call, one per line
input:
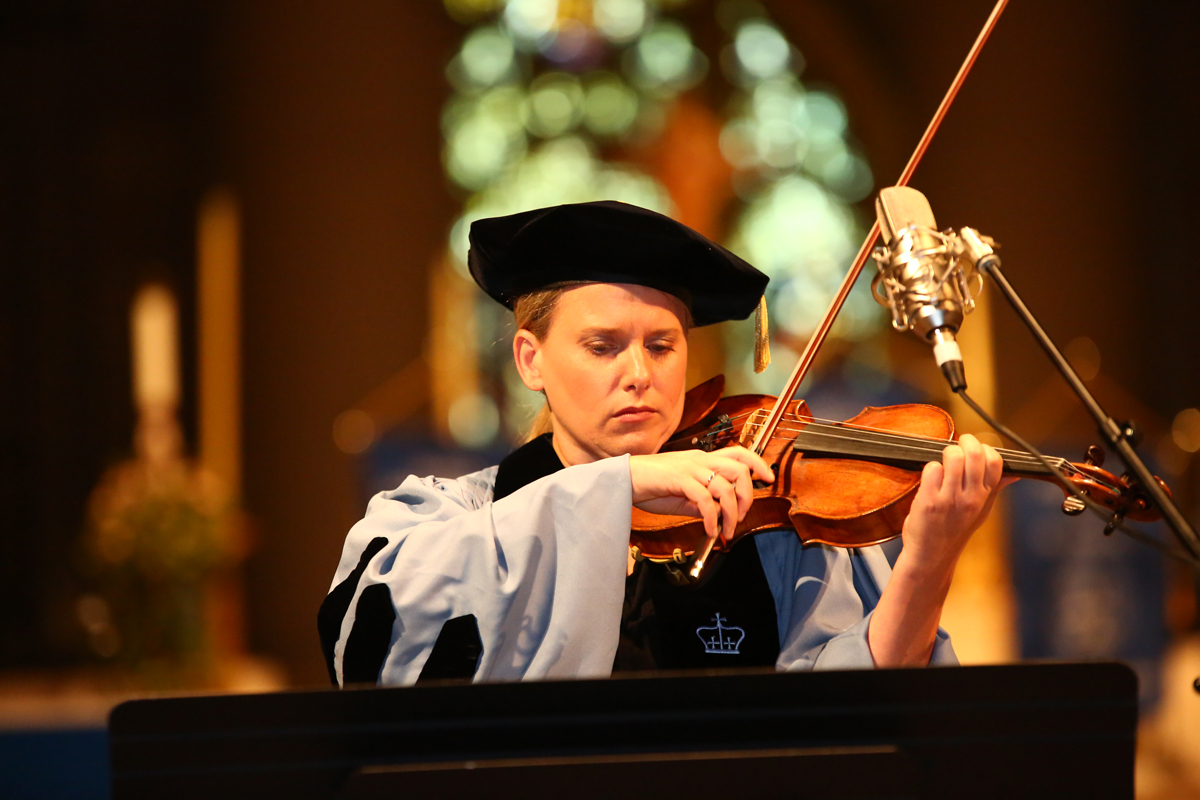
point(899, 450)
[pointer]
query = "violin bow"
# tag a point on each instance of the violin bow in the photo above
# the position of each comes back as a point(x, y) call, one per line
point(767, 429)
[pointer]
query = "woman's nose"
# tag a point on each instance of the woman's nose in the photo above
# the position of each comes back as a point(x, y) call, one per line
point(637, 368)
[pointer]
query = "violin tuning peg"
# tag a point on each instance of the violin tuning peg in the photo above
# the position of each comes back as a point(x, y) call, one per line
point(1094, 456)
point(1073, 506)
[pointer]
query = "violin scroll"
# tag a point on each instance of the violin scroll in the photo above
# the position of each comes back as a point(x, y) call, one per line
point(1123, 495)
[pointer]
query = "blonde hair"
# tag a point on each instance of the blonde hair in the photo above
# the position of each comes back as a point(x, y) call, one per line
point(534, 312)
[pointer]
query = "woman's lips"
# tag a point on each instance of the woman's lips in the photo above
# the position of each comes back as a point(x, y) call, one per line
point(635, 414)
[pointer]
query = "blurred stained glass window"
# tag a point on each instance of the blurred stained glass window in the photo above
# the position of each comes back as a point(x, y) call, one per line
point(564, 101)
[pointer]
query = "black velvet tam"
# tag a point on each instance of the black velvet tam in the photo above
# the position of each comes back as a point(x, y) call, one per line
point(610, 242)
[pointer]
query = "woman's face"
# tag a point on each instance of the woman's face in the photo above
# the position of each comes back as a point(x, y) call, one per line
point(612, 366)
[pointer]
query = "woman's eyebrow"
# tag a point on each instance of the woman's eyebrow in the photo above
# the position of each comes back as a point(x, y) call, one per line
point(588, 332)
point(618, 332)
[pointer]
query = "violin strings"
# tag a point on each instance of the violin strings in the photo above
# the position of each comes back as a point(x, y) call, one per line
point(931, 454)
point(900, 437)
point(790, 416)
point(931, 445)
point(906, 439)
point(821, 424)
point(923, 447)
point(1012, 457)
point(841, 425)
point(1017, 460)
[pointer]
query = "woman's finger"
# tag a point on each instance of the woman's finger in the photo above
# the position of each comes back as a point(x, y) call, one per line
point(744, 486)
point(724, 492)
point(737, 475)
point(974, 464)
point(952, 469)
point(994, 469)
point(758, 467)
point(931, 483)
point(702, 499)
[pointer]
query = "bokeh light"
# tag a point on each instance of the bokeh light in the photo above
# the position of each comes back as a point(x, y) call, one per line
point(531, 21)
point(825, 113)
point(761, 50)
point(484, 135)
point(354, 431)
point(665, 60)
point(474, 420)
point(468, 11)
point(803, 237)
point(1084, 356)
point(554, 105)
point(619, 20)
point(487, 58)
point(610, 106)
point(1185, 430)
point(563, 170)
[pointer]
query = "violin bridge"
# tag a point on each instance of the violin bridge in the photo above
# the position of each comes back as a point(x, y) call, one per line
point(752, 426)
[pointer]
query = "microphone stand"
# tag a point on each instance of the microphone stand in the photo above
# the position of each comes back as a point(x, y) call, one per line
point(1119, 436)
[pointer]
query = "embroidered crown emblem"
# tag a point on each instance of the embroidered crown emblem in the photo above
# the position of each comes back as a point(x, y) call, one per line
point(721, 638)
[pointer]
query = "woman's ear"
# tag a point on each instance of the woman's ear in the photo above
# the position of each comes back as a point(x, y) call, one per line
point(526, 353)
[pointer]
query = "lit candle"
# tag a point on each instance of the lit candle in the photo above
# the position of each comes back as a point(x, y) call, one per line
point(155, 328)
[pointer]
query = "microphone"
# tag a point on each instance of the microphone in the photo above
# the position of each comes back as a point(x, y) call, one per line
point(921, 278)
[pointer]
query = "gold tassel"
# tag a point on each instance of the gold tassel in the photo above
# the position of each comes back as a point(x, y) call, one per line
point(762, 342)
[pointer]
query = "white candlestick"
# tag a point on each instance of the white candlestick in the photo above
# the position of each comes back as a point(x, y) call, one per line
point(155, 329)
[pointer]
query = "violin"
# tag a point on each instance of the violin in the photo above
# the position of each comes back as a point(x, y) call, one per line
point(844, 483)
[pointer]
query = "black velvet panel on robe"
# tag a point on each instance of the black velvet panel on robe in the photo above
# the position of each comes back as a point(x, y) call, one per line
point(728, 620)
point(456, 652)
point(337, 603)
point(455, 655)
point(370, 637)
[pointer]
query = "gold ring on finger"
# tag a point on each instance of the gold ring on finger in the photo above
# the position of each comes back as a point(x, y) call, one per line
point(710, 478)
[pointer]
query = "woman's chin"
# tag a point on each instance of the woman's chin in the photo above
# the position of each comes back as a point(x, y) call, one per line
point(634, 443)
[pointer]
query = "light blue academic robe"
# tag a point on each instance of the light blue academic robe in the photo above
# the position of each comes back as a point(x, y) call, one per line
point(543, 572)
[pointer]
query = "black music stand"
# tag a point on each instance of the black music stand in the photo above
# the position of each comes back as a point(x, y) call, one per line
point(1027, 731)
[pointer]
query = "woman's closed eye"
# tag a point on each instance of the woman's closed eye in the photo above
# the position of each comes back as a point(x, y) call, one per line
point(661, 346)
point(601, 347)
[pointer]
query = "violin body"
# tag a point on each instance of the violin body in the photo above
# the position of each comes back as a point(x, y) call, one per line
point(841, 502)
point(846, 484)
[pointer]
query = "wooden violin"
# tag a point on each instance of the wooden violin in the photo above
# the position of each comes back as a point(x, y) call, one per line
point(844, 483)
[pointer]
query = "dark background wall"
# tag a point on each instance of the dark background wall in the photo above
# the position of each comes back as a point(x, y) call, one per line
point(104, 147)
point(1070, 144)
point(333, 135)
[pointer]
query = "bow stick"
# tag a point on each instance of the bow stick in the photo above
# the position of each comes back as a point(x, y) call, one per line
point(767, 429)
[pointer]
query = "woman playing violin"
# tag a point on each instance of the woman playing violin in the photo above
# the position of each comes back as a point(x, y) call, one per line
point(523, 571)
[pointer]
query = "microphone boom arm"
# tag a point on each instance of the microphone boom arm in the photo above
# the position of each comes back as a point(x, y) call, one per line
point(1121, 437)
